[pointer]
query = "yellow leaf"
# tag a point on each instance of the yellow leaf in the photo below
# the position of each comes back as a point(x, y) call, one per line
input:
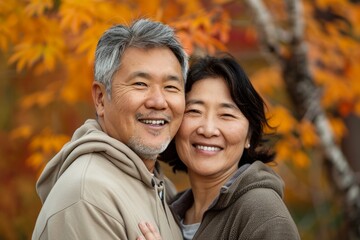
point(76, 13)
point(300, 159)
point(37, 7)
point(190, 6)
point(35, 160)
point(150, 7)
point(88, 40)
point(186, 42)
point(47, 142)
point(282, 120)
point(338, 127)
point(285, 147)
point(307, 134)
point(334, 93)
point(267, 80)
point(21, 132)
point(26, 54)
point(41, 99)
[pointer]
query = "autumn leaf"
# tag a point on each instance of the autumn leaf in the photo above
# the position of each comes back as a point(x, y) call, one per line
point(21, 132)
point(186, 41)
point(44, 146)
point(75, 14)
point(338, 128)
point(89, 39)
point(37, 7)
point(285, 147)
point(36, 160)
point(301, 160)
point(53, 52)
point(25, 55)
point(282, 120)
point(267, 80)
point(40, 99)
point(308, 135)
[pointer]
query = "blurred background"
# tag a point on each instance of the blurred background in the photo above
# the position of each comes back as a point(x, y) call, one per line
point(302, 56)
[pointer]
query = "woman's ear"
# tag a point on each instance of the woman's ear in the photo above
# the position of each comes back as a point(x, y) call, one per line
point(247, 144)
point(247, 140)
point(98, 95)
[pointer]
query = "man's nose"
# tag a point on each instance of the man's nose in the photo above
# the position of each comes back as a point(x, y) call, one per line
point(156, 99)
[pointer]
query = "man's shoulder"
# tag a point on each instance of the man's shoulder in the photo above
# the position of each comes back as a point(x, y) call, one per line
point(85, 180)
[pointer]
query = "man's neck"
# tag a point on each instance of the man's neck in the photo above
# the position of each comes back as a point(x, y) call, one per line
point(150, 164)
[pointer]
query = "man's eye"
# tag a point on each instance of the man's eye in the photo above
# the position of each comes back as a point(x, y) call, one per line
point(140, 84)
point(172, 88)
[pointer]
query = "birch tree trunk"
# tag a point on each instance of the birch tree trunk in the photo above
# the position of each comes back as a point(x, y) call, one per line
point(306, 98)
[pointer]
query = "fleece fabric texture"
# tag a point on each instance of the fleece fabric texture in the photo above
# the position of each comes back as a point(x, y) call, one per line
point(98, 188)
point(250, 207)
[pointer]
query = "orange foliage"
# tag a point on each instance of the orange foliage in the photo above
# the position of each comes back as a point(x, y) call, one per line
point(334, 53)
point(44, 145)
point(282, 120)
point(61, 40)
point(307, 134)
point(51, 45)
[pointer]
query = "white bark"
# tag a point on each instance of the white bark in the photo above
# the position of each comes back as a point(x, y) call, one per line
point(305, 97)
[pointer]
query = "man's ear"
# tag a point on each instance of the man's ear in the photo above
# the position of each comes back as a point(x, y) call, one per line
point(98, 95)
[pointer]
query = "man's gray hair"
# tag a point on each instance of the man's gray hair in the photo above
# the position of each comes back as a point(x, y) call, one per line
point(142, 33)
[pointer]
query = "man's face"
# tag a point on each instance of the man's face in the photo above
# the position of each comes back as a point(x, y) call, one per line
point(147, 101)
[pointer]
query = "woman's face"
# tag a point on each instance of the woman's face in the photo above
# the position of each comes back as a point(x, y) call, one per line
point(214, 132)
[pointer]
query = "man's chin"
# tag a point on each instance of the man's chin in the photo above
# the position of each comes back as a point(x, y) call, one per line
point(148, 150)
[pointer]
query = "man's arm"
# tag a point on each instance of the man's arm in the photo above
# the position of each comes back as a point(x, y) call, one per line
point(82, 220)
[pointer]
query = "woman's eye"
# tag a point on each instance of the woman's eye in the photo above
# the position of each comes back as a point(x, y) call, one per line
point(192, 111)
point(227, 115)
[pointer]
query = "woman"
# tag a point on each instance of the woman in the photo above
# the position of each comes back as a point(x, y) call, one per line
point(234, 194)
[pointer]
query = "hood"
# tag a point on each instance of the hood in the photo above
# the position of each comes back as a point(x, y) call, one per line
point(89, 138)
point(246, 178)
point(257, 175)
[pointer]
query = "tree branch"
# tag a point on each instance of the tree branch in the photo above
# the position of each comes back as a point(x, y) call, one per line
point(267, 30)
point(306, 98)
point(295, 11)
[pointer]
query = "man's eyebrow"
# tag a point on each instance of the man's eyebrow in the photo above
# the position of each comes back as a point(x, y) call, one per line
point(175, 78)
point(146, 75)
point(139, 74)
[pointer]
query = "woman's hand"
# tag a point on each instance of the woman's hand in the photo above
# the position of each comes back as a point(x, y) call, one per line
point(149, 232)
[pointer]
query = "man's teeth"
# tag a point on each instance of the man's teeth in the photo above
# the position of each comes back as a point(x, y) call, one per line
point(154, 122)
point(207, 148)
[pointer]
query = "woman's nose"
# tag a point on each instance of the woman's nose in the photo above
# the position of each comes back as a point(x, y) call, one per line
point(208, 128)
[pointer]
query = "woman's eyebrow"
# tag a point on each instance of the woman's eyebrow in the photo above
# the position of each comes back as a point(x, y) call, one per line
point(194, 102)
point(229, 105)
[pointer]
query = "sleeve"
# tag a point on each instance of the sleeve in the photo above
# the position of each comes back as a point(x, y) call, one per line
point(82, 220)
point(267, 216)
point(276, 228)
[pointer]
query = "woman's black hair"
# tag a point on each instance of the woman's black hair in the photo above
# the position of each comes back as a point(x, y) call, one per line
point(245, 97)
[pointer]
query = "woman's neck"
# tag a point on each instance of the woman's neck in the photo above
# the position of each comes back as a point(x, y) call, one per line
point(205, 191)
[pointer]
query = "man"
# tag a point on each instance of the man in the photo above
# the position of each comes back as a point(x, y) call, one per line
point(106, 179)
